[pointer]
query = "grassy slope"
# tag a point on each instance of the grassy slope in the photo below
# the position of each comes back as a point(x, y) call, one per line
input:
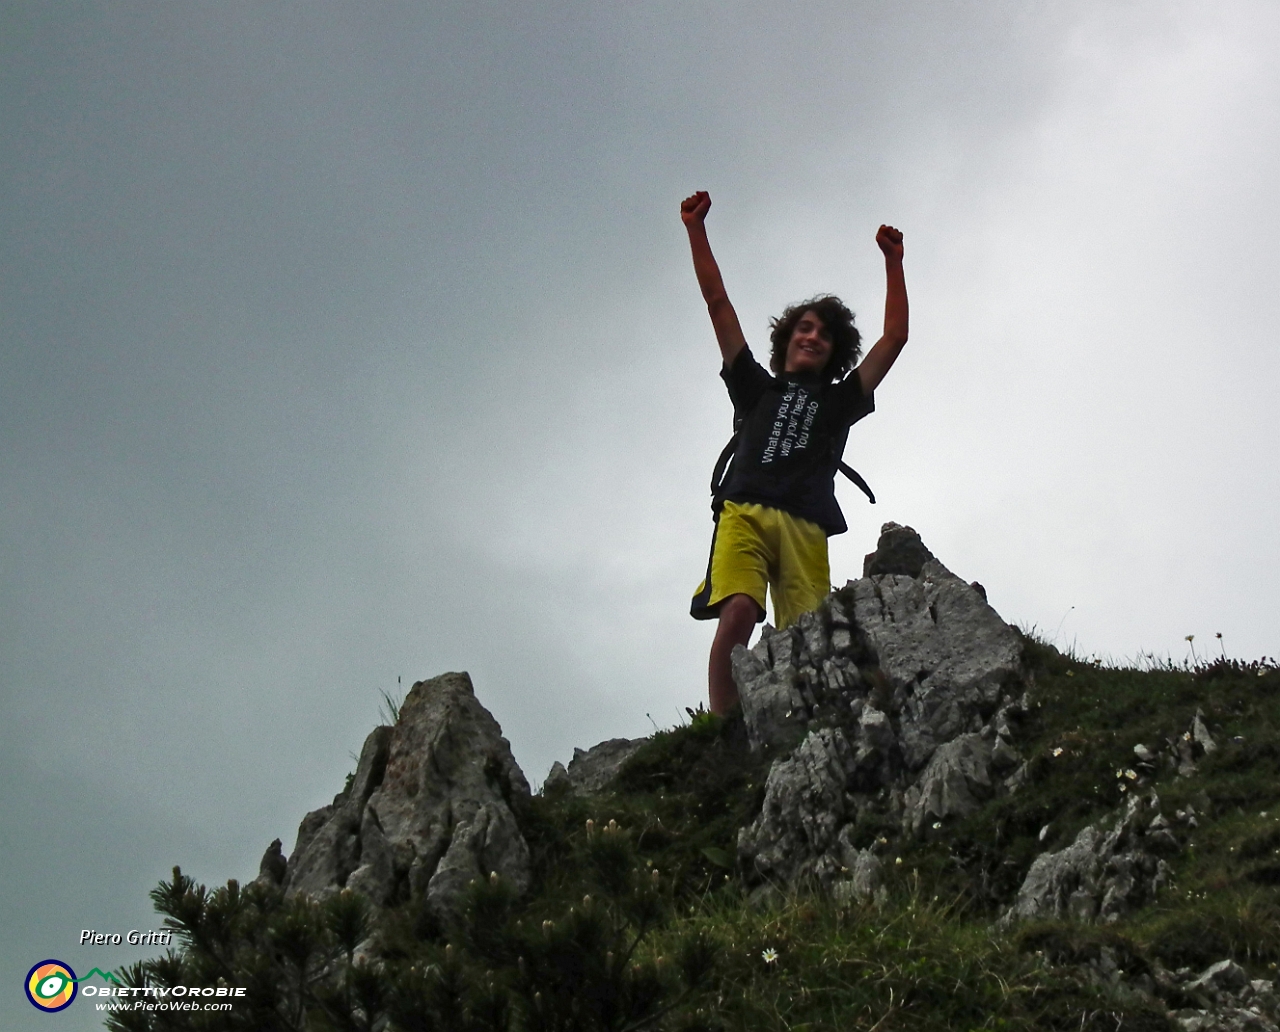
point(929, 958)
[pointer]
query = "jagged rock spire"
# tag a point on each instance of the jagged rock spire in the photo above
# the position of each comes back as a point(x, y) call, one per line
point(430, 807)
point(899, 697)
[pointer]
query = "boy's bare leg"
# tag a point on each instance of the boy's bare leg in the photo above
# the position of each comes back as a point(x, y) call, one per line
point(737, 619)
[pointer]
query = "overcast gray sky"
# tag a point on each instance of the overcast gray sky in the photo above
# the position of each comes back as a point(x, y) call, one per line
point(342, 343)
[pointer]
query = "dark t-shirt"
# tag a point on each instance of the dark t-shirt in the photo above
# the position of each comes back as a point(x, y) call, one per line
point(790, 441)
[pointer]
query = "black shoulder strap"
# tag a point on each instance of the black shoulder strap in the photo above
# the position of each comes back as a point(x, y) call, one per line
point(856, 477)
point(726, 456)
point(837, 452)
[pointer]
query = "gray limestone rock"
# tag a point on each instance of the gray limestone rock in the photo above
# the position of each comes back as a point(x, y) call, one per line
point(1101, 875)
point(794, 840)
point(876, 744)
point(1003, 755)
point(1200, 734)
point(1185, 748)
point(375, 876)
point(861, 873)
point(591, 770)
point(943, 650)
point(1219, 999)
point(901, 695)
point(1020, 776)
point(956, 780)
point(1224, 976)
point(921, 642)
point(1229, 1000)
point(557, 779)
point(431, 805)
point(489, 841)
point(899, 551)
point(774, 710)
point(328, 845)
point(271, 870)
point(1224, 1019)
point(1160, 838)
point(448, 761)
point(1052, 885)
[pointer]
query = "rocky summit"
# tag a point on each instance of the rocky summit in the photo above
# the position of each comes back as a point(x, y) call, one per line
point(901, 698)
point(898, 700)
point(937, 796)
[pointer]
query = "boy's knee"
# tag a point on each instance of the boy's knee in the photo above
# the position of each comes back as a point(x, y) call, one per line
point(740, 609)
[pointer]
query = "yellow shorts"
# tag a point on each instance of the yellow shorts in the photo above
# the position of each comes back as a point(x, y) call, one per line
point(754, 546)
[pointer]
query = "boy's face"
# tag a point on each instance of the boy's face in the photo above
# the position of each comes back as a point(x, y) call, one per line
point(810, 346)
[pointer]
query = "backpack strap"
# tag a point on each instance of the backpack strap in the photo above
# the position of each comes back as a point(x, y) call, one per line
point(837, 453)
point(726, 456)
point(856, 477)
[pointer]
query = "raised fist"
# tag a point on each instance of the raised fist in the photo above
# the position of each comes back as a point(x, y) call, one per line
point(693, 209)
point(890, 241)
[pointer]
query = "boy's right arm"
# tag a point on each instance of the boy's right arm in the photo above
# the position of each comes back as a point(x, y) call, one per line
point(724, 320)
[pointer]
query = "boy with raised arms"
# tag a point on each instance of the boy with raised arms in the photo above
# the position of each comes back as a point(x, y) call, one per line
point(776, 506)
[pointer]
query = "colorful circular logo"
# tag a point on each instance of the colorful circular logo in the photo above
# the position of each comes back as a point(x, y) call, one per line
point(51, 985)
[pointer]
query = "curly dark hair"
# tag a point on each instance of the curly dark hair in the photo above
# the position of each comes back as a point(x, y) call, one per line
point(846, 341)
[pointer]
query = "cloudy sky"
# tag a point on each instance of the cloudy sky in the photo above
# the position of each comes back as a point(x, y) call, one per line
point(345, 344)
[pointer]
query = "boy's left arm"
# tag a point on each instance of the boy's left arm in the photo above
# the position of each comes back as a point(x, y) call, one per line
point(881, 357)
